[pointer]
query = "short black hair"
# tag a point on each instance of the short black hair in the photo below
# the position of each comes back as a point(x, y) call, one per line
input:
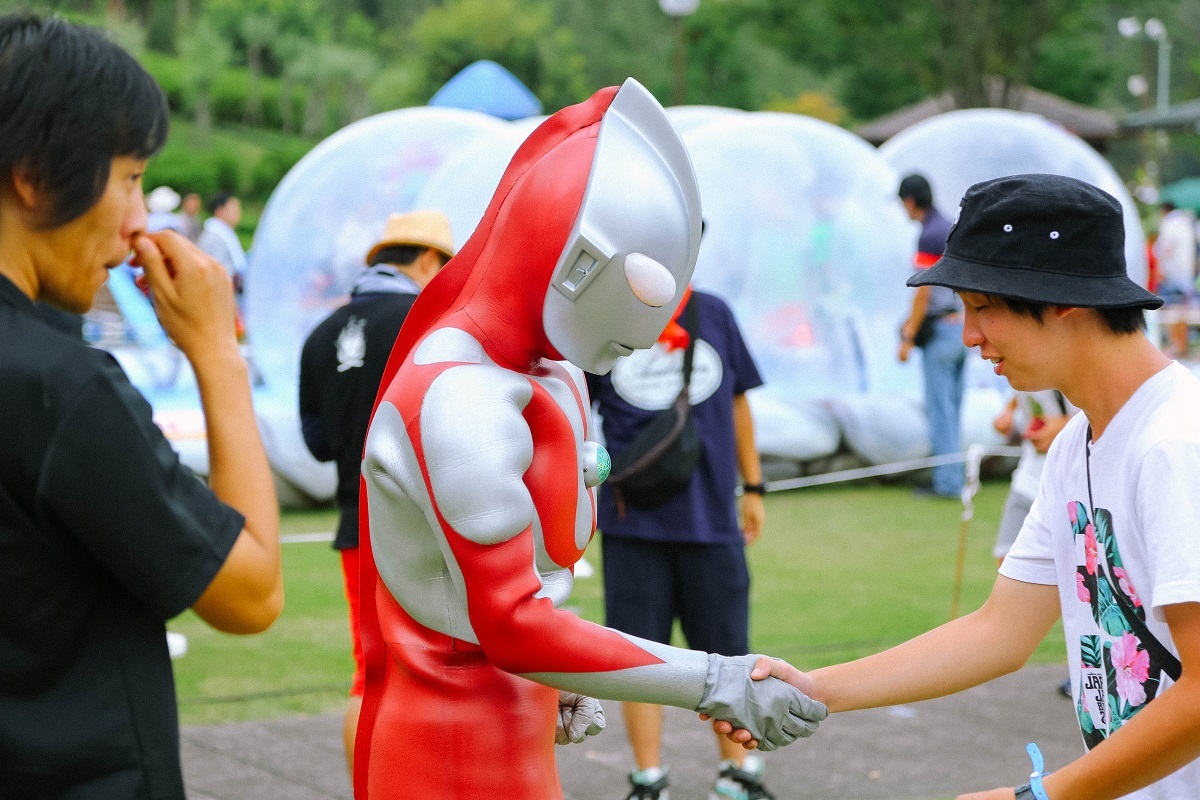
point(399, 254)
point(70, 101)
point(918, 190)
point(1121, 320)
point(217, 200)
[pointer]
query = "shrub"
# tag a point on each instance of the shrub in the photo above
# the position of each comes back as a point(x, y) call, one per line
point(229, 91)
point(183, 171)
point(192, 170)
point(168, 71)
point(271, 168)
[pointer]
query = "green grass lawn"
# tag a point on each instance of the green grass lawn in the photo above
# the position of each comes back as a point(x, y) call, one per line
point(840, 572)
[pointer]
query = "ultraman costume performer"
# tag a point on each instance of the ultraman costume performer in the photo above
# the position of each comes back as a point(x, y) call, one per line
point(479, 475)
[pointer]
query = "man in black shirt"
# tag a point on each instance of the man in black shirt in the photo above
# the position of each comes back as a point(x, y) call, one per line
point(104, 534)
point(341, 366)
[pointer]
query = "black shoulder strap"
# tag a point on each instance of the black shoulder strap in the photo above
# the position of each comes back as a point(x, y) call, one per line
point(1167, 660)
point(1062, 403)
point(688, 321)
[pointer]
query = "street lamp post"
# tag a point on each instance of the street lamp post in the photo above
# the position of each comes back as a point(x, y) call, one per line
point(677, 10)
point(1131, 27)
point(1156, 31)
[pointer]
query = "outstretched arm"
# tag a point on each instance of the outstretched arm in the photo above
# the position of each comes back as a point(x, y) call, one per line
point(993, 641)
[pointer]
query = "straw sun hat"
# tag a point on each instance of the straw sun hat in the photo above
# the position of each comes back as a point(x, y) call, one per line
point(420, 228)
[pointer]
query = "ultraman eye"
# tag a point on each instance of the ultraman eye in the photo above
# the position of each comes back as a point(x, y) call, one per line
point(651, 282)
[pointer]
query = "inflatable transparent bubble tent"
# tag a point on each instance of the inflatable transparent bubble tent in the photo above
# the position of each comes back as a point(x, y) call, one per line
point(805, 239)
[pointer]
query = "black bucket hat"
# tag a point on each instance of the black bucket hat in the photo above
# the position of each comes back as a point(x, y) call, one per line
point(1041, 238)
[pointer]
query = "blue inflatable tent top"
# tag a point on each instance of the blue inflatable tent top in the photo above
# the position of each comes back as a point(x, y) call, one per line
point(488, 87)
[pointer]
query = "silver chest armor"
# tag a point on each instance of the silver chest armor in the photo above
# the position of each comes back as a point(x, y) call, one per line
point(477, 447)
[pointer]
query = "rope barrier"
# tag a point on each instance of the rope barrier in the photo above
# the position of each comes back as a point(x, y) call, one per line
point(894, 468)
point(971, 459)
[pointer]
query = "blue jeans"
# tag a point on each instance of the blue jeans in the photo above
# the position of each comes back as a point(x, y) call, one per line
point(943, 362)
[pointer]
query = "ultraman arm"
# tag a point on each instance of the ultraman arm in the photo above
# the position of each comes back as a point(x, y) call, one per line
point(501, 478)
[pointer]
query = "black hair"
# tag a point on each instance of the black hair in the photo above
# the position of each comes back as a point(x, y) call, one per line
point(916, 188)
point(1167, 205)
point(70, 102)
point(399, 254)
point(1120, 320)
point(217, 200)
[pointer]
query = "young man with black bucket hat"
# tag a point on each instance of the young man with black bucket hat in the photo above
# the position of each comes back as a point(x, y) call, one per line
point(1112, 543)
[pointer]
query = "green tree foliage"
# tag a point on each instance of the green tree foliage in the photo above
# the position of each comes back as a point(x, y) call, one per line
point(204, 52)
point(521, 35)
point(258, 32)
point(981, 51)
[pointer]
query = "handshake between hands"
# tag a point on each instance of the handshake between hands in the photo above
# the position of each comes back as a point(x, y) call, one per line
point(741, 696)
point(759, 702)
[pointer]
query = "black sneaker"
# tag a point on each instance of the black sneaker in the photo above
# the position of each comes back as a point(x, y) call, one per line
point(649, 784)
point(741, 784)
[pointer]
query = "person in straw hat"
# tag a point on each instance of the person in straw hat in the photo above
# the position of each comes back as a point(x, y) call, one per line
point(340, 368)
point(1112, 542)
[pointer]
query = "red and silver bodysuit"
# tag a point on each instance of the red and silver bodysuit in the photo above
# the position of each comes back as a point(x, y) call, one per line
point(479, 472)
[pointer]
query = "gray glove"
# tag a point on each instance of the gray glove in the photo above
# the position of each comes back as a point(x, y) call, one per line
point(776, 713)
point(578, 718)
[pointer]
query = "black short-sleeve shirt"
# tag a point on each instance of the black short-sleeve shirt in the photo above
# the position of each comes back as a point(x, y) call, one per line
point(104, 536)
point(338, 384)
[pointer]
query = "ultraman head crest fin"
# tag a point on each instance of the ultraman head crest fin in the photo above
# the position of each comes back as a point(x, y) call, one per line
point(632, 250)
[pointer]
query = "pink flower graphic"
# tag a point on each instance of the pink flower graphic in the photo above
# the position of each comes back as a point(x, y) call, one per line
point(1071, 512)
point(1090, 548)
point(1081, 589)
point(1127, 586)
point(1133, 668)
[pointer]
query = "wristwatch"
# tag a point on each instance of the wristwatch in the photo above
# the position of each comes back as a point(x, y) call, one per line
point(754, 488)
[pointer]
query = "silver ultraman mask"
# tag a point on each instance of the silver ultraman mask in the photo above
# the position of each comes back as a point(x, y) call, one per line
point(633, 248)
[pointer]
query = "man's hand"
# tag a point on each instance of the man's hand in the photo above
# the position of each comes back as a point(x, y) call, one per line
point(1043, 436)
point(578, 718)
point(753, 515)
point(192, 294)
point(1003, 423)
point(770, 713)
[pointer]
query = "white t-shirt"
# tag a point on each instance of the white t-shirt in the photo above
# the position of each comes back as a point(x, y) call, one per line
point(1145, 488)
point(1176, 249)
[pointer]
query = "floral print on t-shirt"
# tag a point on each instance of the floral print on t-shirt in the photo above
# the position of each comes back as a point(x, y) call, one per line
point(1117, 675)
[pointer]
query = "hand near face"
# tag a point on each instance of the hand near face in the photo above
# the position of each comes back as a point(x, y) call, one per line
point(192, 293)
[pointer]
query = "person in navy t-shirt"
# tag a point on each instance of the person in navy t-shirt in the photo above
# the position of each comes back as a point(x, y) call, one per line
point(684, 559)
point(943, 355)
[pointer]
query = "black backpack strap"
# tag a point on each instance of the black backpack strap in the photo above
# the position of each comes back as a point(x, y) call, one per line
point(1165, 658)
point(689, 321)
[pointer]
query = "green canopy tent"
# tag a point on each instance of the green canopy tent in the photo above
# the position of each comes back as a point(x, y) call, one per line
point(1184, 193)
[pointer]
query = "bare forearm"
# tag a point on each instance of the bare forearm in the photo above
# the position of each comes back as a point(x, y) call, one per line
point(239, 473)
point(1160, 739)
point(920, 306)
point(743, 433)
point(993, 641)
